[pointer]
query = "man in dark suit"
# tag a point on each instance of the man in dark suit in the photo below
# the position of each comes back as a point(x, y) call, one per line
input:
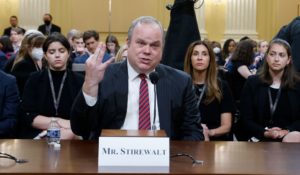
point(13, 20)
point(47, 28)
point(9, 100)
point(113, 95)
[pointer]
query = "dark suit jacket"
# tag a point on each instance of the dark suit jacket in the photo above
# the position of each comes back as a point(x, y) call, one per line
point(9, 100)
point(291, 33)
point(255, 101)
point(54, 28)
point(8, 29)
point(178, 112)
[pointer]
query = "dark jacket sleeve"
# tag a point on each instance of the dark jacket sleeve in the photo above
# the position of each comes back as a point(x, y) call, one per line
point(191, 126)
point(248, 107)
point(83, 117)
point(10, 101)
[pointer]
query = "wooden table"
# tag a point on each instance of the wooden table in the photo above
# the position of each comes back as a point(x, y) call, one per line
point(78, 157)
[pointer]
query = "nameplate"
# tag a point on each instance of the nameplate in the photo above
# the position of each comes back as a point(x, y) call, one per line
point(134, 154)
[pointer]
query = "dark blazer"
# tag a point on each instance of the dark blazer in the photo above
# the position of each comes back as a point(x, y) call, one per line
point(8, 29)
point(255, 101)
point(178, 112)
point(54, 28)
point(9, 100)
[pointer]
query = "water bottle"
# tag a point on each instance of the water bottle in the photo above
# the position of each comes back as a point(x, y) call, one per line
point(53, 132)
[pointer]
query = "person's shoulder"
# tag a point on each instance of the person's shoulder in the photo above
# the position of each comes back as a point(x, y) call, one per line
point(6, 77)
point(24, 65)
point(7, 29)
point(41, 26)
point(254, 80)
point(56, 26)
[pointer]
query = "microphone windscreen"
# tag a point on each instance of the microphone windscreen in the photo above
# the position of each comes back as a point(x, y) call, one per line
point(154, 77)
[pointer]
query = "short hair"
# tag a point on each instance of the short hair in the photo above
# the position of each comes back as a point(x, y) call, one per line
point(56, 37)
point(14, 16)
point(89, 34)
point(77, 36)
point(72, 33)
point(18, 30)
point(49, 15)
point(144, 20)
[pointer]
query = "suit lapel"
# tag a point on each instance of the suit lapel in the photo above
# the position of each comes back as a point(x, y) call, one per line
point(121, 96)
point(163, 100)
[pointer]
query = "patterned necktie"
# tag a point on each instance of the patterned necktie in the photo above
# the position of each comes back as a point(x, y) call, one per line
point(144, 107)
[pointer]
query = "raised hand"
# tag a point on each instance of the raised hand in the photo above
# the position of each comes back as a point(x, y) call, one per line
point(94, 71)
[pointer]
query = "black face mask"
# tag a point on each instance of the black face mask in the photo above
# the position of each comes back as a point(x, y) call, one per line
point(47, 22)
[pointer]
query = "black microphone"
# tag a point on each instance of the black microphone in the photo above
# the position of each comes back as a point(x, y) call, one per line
point(154, 77)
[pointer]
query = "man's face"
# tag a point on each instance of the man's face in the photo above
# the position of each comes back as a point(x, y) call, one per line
point(78, 45)
point(13, 22)
point(91, 44)
point(145, 47)
point(47, 19)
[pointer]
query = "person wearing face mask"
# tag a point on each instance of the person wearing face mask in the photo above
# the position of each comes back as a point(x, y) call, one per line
point(47, 28)
point(53, 90)
point(29, 59)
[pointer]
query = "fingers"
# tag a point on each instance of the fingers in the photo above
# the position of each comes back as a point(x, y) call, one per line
point(97, 57)
point(100, 51)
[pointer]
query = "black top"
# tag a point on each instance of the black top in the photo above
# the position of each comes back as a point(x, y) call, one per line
point(22, 71)
point(282, 113)
point(255, 108)
point(238, 80)
point(211, 113)
point(37, 98)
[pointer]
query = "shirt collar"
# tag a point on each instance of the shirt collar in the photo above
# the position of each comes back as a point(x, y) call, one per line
point(132, 74)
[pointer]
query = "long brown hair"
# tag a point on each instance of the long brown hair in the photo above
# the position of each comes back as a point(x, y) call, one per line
point(211, 80)
point(244, 52)
point(290, 77)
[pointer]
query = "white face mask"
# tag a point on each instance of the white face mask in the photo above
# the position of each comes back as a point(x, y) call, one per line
point(37, 53)
point(216, 50)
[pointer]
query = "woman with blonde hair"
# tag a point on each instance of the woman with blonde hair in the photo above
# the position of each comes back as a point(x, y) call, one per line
point(122, 54)
point(29, 58)
point(214, 98)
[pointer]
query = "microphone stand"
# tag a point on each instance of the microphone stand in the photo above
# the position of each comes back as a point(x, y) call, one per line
point(154, 118)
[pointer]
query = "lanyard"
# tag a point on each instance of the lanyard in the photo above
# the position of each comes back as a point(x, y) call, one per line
point(273, 106)
point(56, 100)
point(201, 95)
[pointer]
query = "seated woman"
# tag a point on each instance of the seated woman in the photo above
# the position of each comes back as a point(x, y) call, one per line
point(271, 99)
point(28, 59)
point(50, 93)
point(214, 97)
